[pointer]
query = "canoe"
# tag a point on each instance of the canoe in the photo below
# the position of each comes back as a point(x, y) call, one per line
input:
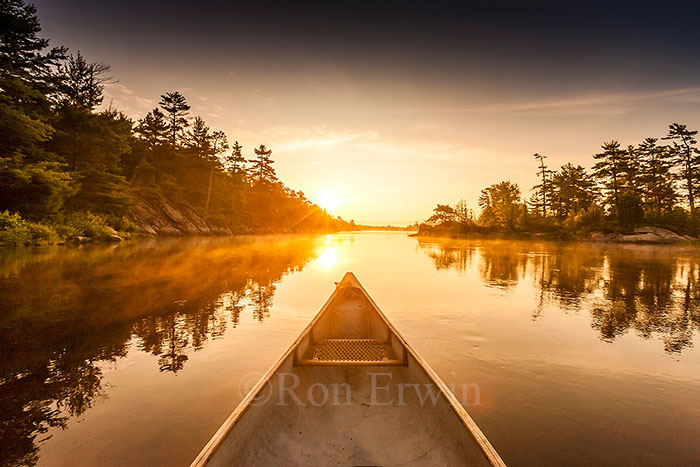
point(349, 391)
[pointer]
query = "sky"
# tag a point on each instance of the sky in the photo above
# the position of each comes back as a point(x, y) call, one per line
point(381, 110)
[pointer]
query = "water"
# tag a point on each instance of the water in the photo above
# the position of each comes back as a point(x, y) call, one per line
point(135, 354)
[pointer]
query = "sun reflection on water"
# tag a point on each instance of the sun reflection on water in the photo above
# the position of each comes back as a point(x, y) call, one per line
point(329, 257)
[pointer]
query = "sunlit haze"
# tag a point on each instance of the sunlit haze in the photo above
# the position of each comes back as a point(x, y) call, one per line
point(377, 113)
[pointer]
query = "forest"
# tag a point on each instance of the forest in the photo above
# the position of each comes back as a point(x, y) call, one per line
point(71, 167)
point(653, 183)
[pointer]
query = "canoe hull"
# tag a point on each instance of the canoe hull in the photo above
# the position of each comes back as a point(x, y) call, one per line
point(310, 412)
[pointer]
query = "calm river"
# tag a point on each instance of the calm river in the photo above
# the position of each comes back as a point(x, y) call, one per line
point(135, 354)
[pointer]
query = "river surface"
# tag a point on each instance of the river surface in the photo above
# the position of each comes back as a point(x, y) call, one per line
point(135, 354)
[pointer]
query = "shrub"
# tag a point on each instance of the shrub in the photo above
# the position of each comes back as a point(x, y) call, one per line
point(15, 231)
point(585, 220)
point(121, 223)
point(84, 224)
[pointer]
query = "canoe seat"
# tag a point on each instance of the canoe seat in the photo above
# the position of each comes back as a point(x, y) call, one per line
point(350, 350)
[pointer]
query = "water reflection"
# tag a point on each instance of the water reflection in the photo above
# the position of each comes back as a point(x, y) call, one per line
point(169, 298)
point(652, 291)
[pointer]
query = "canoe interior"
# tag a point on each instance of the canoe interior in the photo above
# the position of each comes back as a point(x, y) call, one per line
point(334, 399)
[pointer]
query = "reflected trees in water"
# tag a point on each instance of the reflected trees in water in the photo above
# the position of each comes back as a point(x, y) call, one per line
point(653, 292)
point(166, 298)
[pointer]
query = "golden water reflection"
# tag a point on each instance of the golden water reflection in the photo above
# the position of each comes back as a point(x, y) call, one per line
point(652, 291)
point(144, 344)
point(167, 298)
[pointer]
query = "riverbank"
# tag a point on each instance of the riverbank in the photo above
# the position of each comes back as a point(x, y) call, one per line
point(639, 235)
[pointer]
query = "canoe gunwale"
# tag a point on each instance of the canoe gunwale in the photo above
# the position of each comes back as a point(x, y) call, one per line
point(469, 424)
point(203, 458)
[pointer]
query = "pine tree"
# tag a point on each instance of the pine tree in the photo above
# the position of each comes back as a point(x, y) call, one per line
point(631, 181)
point(234, 165)
point(33, 181)
point(219, 144)
point(26, 79)
point(262, 171)
point(176, 110)
point(687, 159)
point(542, 190)
point(655, 176)
point(572, 190)
point(235, 162)
point(610, 173)
point(199, 138)
point(83, 82)
point(152, 128)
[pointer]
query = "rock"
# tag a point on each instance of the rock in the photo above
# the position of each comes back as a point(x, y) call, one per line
point(112, 235)
point(79, 239)
point(647, 234)
point(155, 215)
point(597, 237)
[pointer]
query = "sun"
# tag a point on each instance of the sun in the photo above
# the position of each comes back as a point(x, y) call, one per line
point(328, 200)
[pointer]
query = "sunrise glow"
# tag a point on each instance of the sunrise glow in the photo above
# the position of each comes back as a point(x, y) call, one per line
point(328, 200)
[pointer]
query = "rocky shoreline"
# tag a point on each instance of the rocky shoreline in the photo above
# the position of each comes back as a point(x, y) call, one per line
point(157, 216)
point(640, 235)
point(653, 235)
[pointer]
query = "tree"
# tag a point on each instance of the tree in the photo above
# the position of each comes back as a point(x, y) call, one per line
point(655, 176)
point(199, 139)
point(234, 165)
point(176, 110)
point(443, 213)
point(631, 173)
point(152, 128)
point(36, 190)
point(542, 190)
point(83, 81)
point(571, 190)
point(208, 147)
point(235, 162)
point(219, 145)
point(92, 145)
point(26, 79)
point(500, 204)
point(609, 173)
point(463, 214)
point(262, 171)
point(687, 158)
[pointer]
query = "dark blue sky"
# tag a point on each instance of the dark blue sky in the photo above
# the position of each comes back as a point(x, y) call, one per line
point(652, 41)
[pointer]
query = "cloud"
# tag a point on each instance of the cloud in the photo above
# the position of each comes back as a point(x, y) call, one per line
point(311, 139)
point(605, 103)
point(290, 138)
point(591, 103)
point(121, 97)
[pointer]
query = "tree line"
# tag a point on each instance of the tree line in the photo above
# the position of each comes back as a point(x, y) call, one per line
point(67, 163)
point(655, 183)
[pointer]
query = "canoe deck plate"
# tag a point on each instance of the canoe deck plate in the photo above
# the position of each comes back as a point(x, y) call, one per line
point(350, 350)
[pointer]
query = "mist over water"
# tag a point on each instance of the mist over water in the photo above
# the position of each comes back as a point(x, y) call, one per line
point(583, 354)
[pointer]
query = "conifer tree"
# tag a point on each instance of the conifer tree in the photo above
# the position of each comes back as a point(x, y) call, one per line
point(152, 128)
point(609, 172)
point(655, 176)
point(83, 81)
point(542, 190)
point(687, 159)
point(262, 171)
point(572, 190)
point(176, 110)
point(235, 162)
